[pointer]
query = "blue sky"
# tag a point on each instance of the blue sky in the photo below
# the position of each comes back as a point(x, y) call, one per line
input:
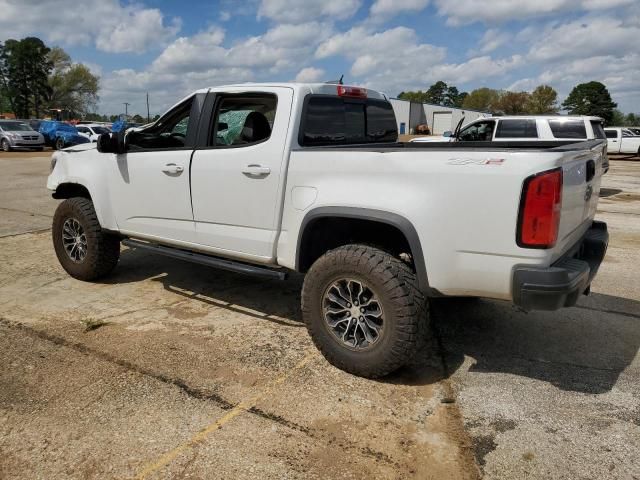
point(170, 48)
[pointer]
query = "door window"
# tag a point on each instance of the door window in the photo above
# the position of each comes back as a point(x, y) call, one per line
point(611, 133)
point(244, 119)
point(171, 132)
point(478, 132)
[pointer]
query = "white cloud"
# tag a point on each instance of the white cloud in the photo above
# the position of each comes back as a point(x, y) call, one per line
point(110, 26)
point(394, 59)
point(204, 59)
point(494, 11)
point(493, 39)
point(584, 38)
point(307, 10)
point(310, 74)
point(383, 9)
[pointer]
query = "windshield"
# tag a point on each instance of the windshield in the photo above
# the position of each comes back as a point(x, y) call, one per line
point(15, 127)
point(100, 130)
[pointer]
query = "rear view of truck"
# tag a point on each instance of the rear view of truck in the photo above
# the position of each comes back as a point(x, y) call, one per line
point(557, 210)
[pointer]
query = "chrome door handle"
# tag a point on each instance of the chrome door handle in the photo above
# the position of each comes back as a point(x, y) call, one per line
point(172, 168)
point(256, 170)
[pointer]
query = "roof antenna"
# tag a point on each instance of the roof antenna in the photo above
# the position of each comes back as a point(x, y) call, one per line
point(336, 82)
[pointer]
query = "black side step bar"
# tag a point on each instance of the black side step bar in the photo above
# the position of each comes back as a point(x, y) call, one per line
point(208, 260)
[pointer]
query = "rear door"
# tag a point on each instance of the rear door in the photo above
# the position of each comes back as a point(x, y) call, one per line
point(629, 143)
point(613, 141)
point(237, 177)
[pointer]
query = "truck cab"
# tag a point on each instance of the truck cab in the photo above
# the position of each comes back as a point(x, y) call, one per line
point(622, 140)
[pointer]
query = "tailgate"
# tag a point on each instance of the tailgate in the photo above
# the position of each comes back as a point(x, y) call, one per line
point(582, 172)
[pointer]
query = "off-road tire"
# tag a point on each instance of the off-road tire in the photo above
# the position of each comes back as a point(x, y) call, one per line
point(103, 249)
point(5, 145)
point(59, 144)
point(406, 313)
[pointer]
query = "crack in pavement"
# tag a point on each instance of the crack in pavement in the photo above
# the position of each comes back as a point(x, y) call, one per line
point(26, 211)
point(196, 393)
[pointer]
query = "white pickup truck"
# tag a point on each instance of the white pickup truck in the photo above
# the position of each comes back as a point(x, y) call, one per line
point(622, 140)
point(523, 128)
point(265, 179)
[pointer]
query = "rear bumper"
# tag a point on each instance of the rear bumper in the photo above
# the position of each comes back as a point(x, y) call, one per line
point(562, 283)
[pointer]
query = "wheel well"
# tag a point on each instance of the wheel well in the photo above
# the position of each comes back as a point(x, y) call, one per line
point(70, 190)
point(326, 233)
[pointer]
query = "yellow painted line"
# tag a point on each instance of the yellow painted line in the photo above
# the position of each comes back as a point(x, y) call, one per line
point(230, 415)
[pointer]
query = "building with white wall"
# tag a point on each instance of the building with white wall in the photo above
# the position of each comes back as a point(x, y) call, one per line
point(439, 119)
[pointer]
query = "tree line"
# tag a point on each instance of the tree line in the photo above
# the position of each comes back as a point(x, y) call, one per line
point(591, 98)
point(35, 79)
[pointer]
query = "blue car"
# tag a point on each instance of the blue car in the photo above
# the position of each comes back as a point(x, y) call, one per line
point(60, 135)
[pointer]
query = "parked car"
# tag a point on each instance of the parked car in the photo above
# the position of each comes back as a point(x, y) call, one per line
point(92, 131)
point(17, 134)
point(264, 179)
point(34, 123)
point(60, 135)
point(622, 140)
point(634, 130)
point(524, 128)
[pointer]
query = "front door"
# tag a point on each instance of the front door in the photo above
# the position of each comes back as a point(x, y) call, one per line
point(236, 180)
point(149, 187)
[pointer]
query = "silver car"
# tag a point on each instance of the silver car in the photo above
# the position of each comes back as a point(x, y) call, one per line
point(17, 134)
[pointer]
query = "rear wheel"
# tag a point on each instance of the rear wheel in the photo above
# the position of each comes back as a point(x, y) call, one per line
point(5, 145)
point(59, 143)
point(363, 310)
point(83, 249)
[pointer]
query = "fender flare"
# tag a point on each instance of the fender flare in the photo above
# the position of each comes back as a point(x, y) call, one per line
point(392, 219)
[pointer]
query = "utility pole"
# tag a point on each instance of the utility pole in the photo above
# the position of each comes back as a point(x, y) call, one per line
point(126, 110)
point(148, 116)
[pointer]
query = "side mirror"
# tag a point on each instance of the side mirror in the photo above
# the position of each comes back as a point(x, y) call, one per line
point(112, 143)
point(447, 133)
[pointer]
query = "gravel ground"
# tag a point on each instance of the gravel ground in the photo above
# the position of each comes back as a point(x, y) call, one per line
point(172, 370)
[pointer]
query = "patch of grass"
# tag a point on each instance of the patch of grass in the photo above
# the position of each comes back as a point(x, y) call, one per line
point(91, 324)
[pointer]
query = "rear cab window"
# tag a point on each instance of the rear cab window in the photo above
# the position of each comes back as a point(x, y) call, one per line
point(519, 128)
point(333, 120)
point(568, 128)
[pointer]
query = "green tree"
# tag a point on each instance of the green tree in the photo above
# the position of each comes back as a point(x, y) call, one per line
point(590, 98)
point(542, 101)
point(24, 68)
point(137, 118)
point(455, 98)
point(512, 103)
point(437, 93)
point(617, 119)
point(73, 87)
point(483, 99)
point(418, 96)
point(632, 120)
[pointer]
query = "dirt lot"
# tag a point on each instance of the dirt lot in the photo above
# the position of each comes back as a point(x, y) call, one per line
point(171, 370)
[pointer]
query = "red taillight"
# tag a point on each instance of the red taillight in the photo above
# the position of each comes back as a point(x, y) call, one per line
point(540, 210)
point(355, 92)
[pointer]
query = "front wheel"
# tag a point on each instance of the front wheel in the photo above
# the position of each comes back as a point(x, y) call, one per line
point(59, 143)
point(5, 145)
point(363, 310)
point(83, 249)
